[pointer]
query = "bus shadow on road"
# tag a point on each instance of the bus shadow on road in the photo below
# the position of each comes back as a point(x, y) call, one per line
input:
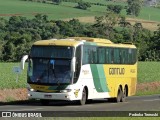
point(55, 102)
point(75, 103)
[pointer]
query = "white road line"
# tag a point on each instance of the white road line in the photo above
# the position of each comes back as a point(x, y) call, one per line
point(152, 100)
point(25, 109)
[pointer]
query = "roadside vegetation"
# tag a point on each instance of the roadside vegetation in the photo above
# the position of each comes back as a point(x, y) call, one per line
point(8, 77)
point(148, 72)
point(148, 78)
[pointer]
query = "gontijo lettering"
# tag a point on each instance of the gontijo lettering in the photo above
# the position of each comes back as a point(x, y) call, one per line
point(116, 71)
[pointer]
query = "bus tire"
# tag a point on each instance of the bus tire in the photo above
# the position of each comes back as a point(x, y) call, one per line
point(118, 98)
point(44, 102)
point(84, 98)
point(119, 95)
point(124, 95)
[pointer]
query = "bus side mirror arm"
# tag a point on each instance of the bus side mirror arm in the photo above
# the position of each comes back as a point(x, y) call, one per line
point(73, 64)
point(24, 58)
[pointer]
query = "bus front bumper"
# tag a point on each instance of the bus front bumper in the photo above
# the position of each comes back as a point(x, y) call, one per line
point(51, 96)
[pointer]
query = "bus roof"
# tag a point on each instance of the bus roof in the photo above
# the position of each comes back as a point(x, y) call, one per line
point(58, 42)
point(96, 40)
point(74, 41)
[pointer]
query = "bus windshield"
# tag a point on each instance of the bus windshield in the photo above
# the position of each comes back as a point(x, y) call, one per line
point(50, 65)
point(52, 52)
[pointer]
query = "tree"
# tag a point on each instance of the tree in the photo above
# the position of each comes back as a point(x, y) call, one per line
point(83, 5)
point(1, 49)
point(114, 8)
point(153, 51)
point(123, 23)
point(9, 52)
point(134, 7)
point(156, 39)
point(105, 24)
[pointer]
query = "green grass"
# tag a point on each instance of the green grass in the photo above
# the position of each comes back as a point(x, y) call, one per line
point(28, 9)
point(8, 77)
point(150, 13)
point(66, 9)
point(148, 72)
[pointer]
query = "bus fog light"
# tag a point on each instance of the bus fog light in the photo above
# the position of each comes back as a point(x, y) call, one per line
point(67, 96)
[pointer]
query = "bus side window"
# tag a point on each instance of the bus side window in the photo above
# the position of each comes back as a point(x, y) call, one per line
point(116, 56)
point(107, 55)
point(134, 56)
point(89, 54)
point(126, 56)
point(101, 55)
point(123, 56)
point(94, 55)
point(112, 55)
point(85, 55)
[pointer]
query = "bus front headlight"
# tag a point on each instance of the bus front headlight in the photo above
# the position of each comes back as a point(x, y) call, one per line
point(31, 89)
point(65, 91)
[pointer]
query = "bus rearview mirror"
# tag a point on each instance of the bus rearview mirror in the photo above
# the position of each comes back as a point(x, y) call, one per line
point(73, 64)
point(24, 58)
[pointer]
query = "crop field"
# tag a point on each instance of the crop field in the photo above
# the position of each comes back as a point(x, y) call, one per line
point(29, 9)
point(8, 77)
point(147, 72)
point(66, 10)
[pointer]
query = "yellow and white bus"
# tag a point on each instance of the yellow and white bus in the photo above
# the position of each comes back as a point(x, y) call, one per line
point(80, 69)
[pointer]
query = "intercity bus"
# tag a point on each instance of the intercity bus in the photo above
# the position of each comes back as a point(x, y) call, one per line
point(81, 69)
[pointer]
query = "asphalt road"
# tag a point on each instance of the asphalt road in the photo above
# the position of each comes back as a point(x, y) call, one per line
point(134, 103)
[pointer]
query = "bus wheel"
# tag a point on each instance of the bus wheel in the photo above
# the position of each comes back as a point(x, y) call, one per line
point(44, 102)
point(118, 98)
point(124, 95)
point(119, 95)
point(84, 97)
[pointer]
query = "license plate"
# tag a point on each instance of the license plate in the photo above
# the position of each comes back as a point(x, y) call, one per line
point(47, 96)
